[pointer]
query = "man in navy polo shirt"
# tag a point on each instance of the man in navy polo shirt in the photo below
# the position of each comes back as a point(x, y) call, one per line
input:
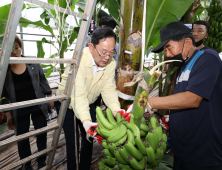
point(195, 105)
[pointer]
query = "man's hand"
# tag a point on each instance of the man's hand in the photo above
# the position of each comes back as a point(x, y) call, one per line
point(51, 104)
point(90, 129)
point(10, 121)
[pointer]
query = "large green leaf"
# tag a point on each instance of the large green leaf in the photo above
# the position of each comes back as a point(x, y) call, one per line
point(3, 23)
point(41, 52)
point(113, 7)
point(4, 11)
point(70, 38)
point(49, 69)
point(4, 16)
point(44, 40)
point(73, 4)
point(81, 4)
point(25, 22)
point(44, 16)
point(163, 166)
point(160, 13)
point(60, 3)
point(168, 160)
point(197, 13)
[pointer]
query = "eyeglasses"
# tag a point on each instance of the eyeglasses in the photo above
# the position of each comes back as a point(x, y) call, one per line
point(111, 54)
point(199, 31)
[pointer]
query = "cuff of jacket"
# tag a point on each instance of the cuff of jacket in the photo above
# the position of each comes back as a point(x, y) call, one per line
point(114, 108)
point(84, 116)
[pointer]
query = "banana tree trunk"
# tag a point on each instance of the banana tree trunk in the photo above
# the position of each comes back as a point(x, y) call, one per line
point(61, 52)
point(130, 39)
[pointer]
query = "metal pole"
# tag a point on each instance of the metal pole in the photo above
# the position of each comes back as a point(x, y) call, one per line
point(9, 38)
point(33, 34)
point(75, 129)
point(21, 30)
point(90, 6)
point(143, 36)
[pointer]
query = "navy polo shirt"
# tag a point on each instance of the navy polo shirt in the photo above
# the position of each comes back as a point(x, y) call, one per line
point(196, 134)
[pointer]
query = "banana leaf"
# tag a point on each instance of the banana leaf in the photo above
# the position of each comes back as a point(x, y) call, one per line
point(160, 13)
point(113, 7)
point(82, 4)
point(4, 16)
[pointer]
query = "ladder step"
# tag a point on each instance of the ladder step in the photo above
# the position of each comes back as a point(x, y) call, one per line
point(23, 161)
point(54, 7)
point(18, 105)
point(18, 60)
point(44, 168)
point(27, 135)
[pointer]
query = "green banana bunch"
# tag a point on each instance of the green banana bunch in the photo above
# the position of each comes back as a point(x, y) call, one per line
point(214, 38)
point(123, 146)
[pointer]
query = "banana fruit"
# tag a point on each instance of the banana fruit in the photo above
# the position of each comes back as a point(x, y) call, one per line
point(124, 148)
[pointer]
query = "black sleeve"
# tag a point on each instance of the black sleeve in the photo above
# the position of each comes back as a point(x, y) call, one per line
point(44, 82)
point(5, 97)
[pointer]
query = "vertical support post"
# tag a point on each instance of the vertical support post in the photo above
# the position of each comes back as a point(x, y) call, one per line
point(9, 38)
point(90, 6)
point(143, 36)
point(21, 30)
point(73, 70)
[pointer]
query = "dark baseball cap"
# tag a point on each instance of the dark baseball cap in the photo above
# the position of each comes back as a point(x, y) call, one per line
point(171, 30)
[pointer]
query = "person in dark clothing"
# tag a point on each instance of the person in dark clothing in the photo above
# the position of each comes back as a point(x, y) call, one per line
point(195, 105)
point(200, 32)
point(26, 82)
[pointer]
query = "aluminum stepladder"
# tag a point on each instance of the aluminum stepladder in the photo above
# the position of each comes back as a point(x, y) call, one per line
point(5, 59)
